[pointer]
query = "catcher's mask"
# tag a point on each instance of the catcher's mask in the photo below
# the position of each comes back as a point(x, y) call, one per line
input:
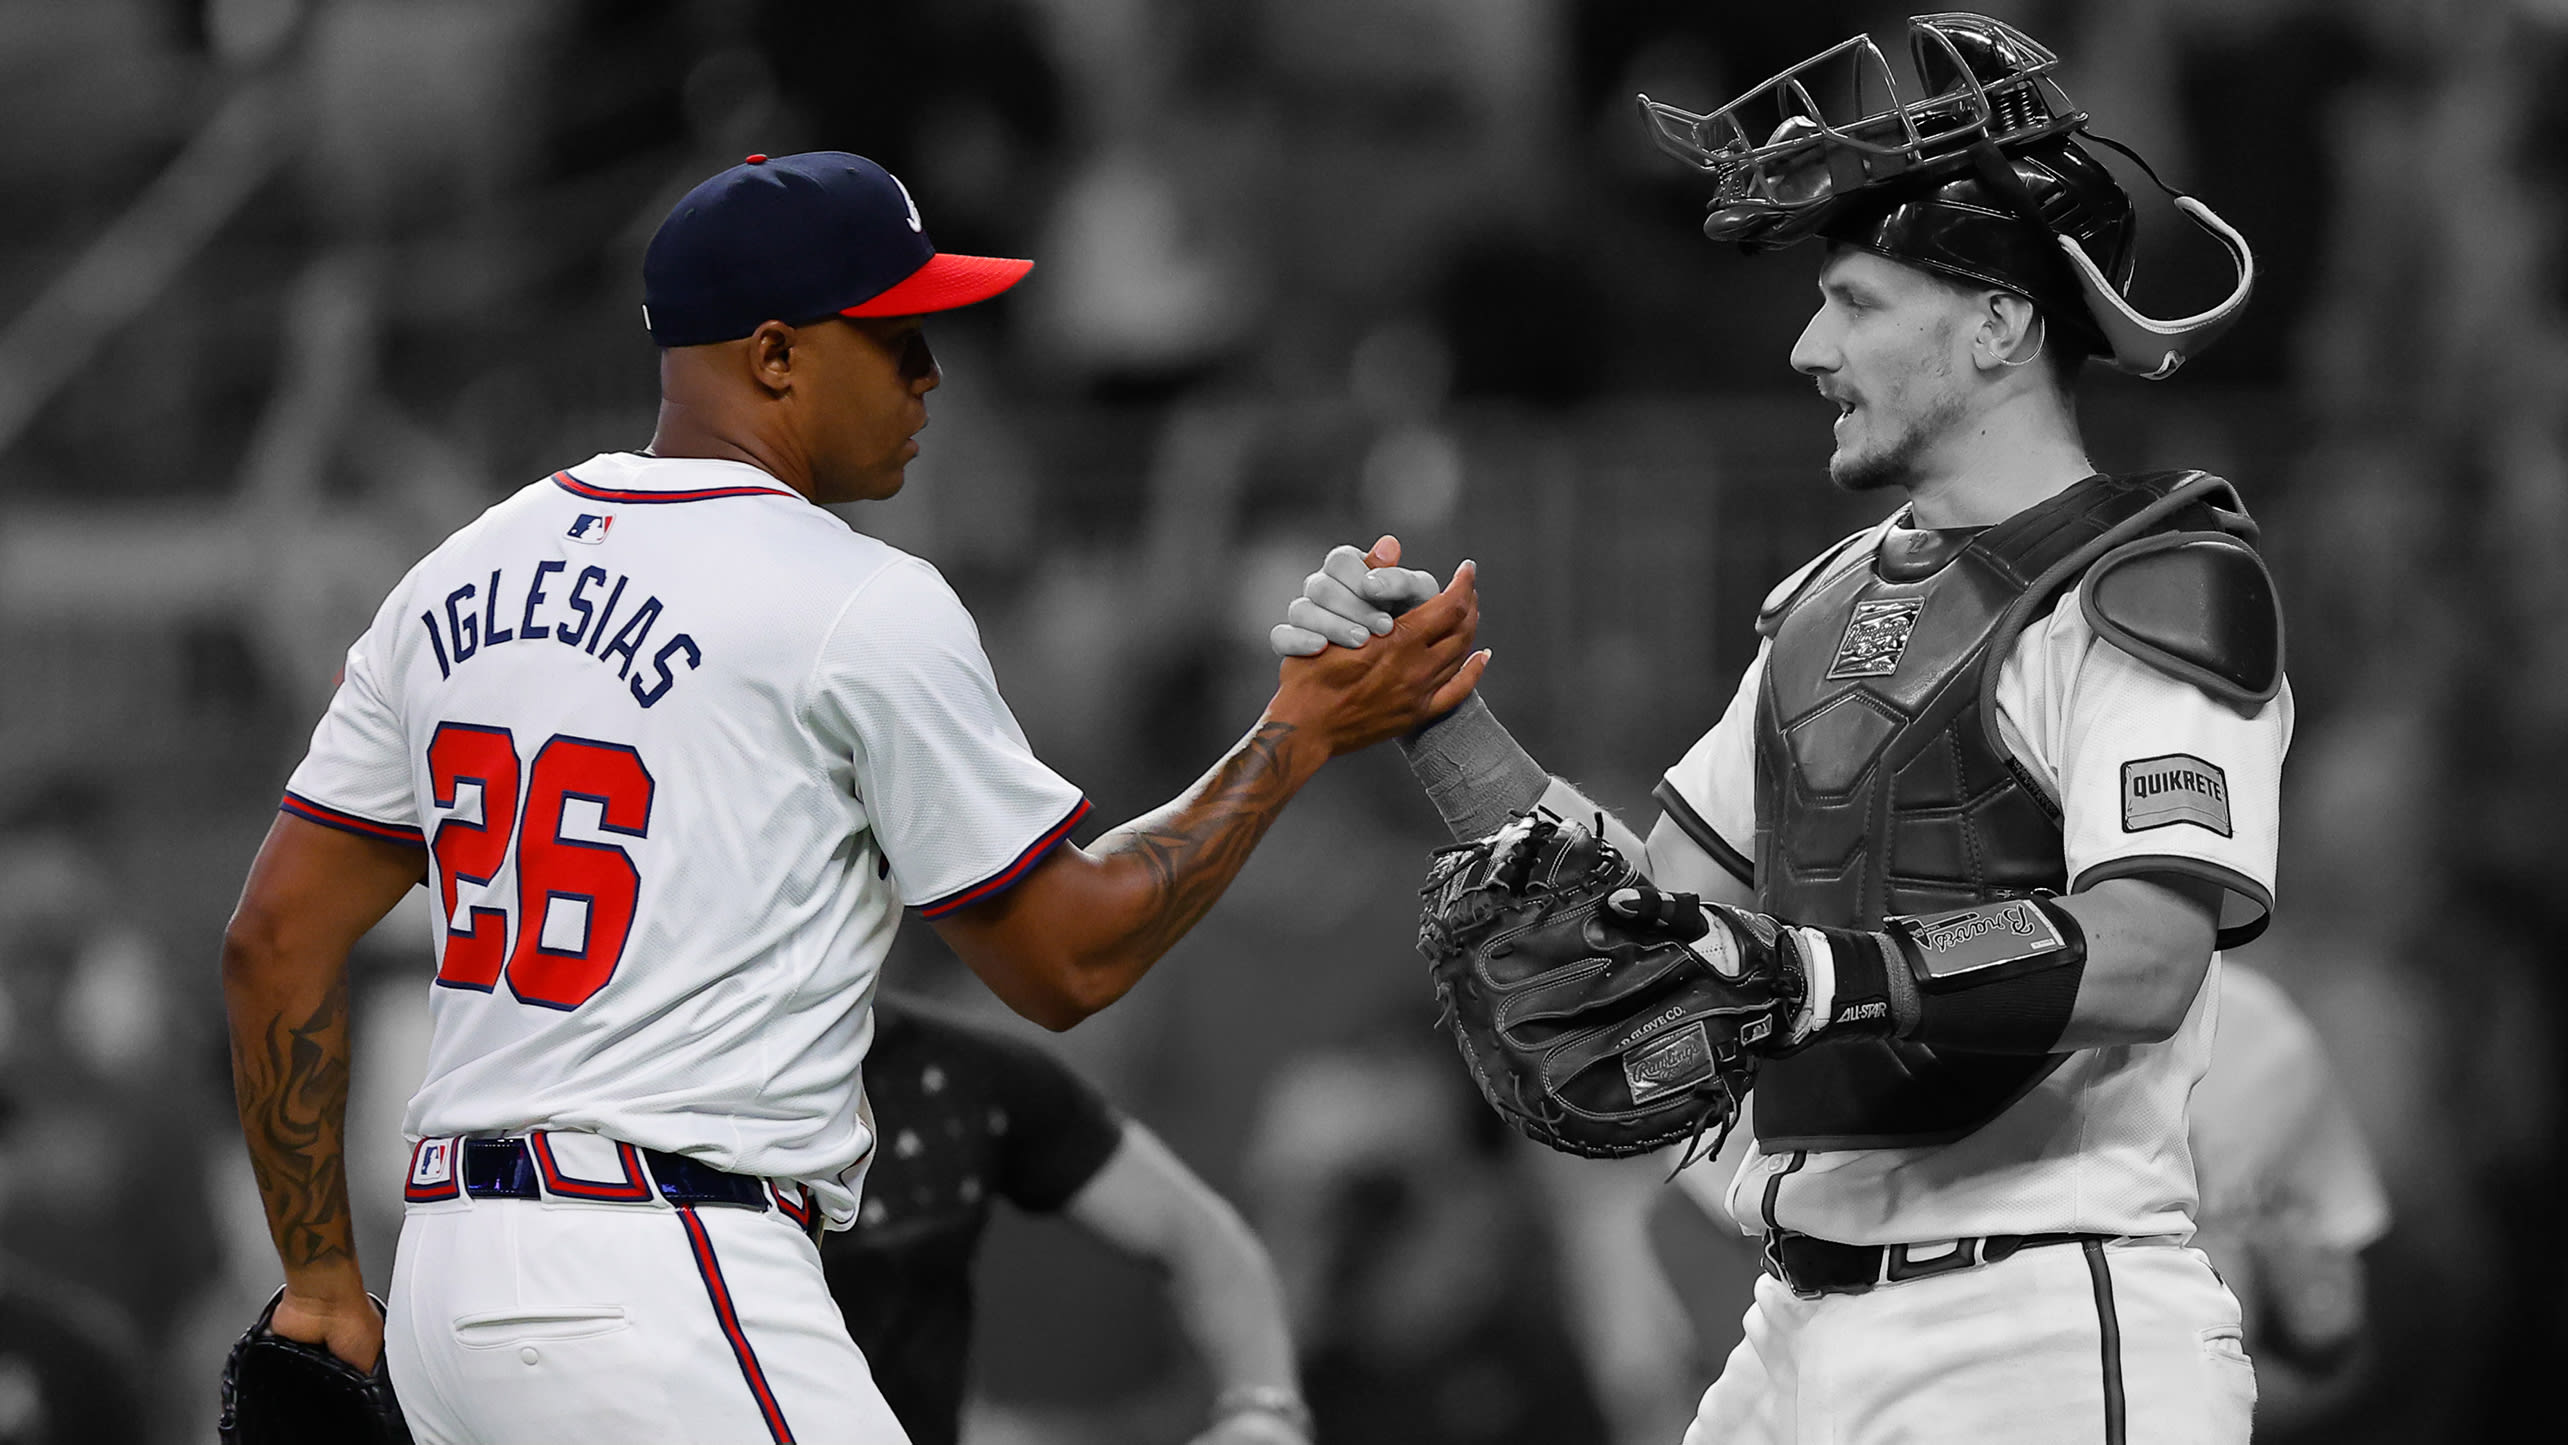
point(1980, 179)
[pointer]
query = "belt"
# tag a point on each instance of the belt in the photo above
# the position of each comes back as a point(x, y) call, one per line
point(510, 1169)
point(1813, 1267)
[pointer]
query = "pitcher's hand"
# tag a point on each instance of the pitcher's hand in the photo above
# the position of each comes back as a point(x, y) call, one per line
point(349, 1327)
point(1418, 671)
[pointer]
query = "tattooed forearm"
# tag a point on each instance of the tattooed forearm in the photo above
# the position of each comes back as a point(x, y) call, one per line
point(292, 1083)
point(1195, 846)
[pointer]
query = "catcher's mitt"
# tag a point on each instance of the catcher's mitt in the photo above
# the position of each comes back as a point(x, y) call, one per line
point(278, 1391)
point(1589, 1031)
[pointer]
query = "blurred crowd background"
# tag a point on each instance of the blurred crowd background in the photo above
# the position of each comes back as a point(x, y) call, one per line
point(291, 288)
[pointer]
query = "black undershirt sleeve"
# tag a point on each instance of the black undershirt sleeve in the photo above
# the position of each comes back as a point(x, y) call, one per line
point(1061, 1131)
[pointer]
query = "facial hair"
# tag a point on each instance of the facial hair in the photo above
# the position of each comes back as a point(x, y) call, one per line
point(1894, 464)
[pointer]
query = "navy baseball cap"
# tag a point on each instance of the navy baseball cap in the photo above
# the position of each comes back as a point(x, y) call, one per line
point(798, 238)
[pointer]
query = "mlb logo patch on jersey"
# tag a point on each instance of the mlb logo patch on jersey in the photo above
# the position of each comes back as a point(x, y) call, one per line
point(1876, 636)
point(2174, 788)
point(589, 527)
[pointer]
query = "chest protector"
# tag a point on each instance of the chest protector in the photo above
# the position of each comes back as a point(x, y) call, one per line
point(1882, 786)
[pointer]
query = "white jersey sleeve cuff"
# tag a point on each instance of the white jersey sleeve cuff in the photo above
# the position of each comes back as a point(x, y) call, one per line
point(313, 810)
point(1010, 875)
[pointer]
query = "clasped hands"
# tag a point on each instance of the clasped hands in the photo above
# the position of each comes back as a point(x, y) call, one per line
point(1357, 596)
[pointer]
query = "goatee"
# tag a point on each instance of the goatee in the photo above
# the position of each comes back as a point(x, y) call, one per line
point(1896, 464)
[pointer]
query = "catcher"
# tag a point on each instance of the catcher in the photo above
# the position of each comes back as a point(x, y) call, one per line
point(1948, 880)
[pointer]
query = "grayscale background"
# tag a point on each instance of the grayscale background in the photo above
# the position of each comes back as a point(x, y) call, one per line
point(291, 288)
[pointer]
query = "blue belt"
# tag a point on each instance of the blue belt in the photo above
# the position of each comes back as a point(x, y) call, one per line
point(505, 1169)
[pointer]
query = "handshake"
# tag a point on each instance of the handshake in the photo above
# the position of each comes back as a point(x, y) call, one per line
point(1354, 598)
point(1421, 667)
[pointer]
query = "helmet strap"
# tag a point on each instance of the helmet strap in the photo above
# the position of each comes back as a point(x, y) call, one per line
point(2000, 177)
point(2134, 157)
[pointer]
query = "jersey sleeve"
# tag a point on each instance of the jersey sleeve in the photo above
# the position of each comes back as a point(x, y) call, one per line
point(1061, 1130)
point(357, 774)
point(2151, 774)
point(957, 800)
point(1711, 792)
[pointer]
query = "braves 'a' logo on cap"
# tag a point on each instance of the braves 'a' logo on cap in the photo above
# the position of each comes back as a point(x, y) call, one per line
point(589, 527)
point(907, 199)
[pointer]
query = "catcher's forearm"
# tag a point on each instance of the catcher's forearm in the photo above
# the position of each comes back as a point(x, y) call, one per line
point(290, 1079)
point(1474, 770)
point(1478, 776)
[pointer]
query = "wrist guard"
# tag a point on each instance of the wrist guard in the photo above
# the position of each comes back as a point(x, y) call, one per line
point(1997, 978)
point(2000, 978)
point(1835, 978)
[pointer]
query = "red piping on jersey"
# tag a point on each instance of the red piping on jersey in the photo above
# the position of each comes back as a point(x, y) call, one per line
point(329, 817)
point(578, 488)
point(720, 1293)
point(1006, 877)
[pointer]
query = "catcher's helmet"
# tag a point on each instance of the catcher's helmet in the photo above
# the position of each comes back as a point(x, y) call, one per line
point(1980, 179)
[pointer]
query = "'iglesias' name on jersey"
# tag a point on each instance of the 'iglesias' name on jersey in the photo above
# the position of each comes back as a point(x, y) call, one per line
point(486, 614)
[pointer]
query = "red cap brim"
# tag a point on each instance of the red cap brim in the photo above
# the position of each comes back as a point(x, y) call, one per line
point(945, 282)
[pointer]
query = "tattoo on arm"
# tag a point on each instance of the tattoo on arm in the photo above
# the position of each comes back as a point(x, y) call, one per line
point(292, 1084)
point(1195, 846)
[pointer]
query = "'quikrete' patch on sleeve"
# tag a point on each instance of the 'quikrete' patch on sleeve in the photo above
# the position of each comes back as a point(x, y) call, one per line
point(2174, 788)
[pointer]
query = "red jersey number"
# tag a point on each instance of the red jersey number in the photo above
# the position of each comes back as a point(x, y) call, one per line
point(469, 852)
point(575, 898)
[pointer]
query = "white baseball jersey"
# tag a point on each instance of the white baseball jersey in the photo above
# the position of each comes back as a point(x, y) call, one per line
point(2151, 775)
point(2276, 1152)
point(680, 745)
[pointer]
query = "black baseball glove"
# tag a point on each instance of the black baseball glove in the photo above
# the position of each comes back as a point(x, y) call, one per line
point(278, 1391)
point(1589, 1021)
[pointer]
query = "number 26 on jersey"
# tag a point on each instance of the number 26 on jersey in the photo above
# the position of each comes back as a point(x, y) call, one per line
point(575, 898)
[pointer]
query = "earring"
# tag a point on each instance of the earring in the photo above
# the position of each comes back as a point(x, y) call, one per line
point(2039, 342)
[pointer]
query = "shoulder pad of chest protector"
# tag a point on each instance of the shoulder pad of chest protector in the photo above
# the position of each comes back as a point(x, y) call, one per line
point(1770, 613)
point(2199, 605)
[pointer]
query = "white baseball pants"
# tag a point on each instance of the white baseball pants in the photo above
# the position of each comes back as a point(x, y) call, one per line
point(558, 1322)
point(2139, 1347)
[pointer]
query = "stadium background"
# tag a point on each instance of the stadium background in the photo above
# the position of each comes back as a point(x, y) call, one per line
point(289, 288)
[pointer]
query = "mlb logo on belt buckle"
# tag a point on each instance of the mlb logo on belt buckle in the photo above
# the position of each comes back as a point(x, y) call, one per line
point(432, 1172)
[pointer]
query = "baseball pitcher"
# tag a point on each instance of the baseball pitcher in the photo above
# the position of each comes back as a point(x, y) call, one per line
point(672, 748)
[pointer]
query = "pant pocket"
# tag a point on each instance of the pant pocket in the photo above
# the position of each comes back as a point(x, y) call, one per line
point(497, 1329)
point(2229, 1380)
